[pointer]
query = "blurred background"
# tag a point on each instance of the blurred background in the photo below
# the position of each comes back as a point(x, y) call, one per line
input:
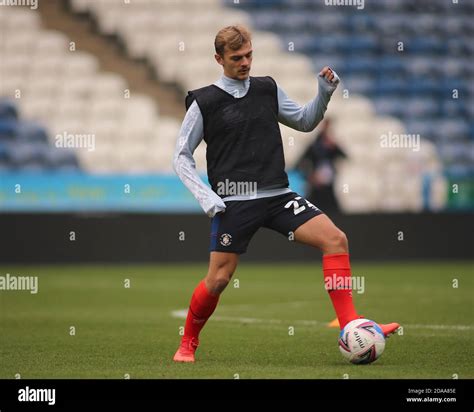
point(92, 99)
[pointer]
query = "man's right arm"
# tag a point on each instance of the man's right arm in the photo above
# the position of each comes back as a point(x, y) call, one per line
point(190, 136)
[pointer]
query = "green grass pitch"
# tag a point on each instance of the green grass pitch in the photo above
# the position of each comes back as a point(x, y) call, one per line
point(273, 325)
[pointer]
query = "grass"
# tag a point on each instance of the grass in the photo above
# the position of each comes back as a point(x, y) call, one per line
point(121, 330)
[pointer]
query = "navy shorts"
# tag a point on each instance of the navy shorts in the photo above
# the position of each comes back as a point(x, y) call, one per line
point(232, 230)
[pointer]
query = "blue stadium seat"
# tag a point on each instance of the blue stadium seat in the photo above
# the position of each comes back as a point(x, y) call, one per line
point(360, 65)
point(453, 128)
point(323, 23)
point(389, 106)
point(425, 86)
point(389, 64)
point(420, 108)
point(425, 128)
point(8, 130)
point(389, 85)
point(270, 20)
point(8, 110)
point(458, 152)
point(471, 131)
point(360, 45)
point(337, 43)
point(4, 156)
point(303, 4)
point(293, 22)
point(333, 60)
point(449, 84)
point(454, 108)
point(32, 132)
point(389, 24)
point(361, 23)
point(61, 159)
point(28, 157)
point(426, 45)
point(359, 84)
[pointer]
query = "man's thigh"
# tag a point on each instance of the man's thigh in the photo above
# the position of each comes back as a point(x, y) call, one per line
point(317, 231)
point(287, 213)
point(232, 230)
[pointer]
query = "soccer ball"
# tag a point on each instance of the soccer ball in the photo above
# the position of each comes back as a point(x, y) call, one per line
point(361, 341)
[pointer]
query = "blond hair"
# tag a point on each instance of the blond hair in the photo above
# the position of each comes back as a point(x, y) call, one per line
point(233, 37)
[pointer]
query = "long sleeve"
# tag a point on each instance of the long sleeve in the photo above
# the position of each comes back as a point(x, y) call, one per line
point(190, 136)
point(305, 118)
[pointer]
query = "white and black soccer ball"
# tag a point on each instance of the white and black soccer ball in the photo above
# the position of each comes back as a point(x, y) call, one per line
point(361, 341)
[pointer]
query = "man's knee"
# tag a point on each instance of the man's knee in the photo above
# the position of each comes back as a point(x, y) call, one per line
point(219, 275)
point(336, 242)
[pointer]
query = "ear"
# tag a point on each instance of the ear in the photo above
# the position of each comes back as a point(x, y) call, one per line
point(219, 59)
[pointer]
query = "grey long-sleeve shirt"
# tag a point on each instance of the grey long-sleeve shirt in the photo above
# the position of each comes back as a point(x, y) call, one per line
point(302, 118)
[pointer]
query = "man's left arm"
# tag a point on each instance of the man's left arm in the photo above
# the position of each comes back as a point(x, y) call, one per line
point(306, 118)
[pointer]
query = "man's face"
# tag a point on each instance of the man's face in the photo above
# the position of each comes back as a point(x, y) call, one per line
point(236, 63)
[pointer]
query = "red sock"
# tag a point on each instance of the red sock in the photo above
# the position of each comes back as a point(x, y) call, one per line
point(200, 309)
point(337, 275)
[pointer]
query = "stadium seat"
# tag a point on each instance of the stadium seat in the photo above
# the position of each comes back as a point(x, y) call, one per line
point(8, 110)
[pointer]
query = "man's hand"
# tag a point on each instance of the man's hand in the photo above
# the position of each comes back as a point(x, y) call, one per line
point(214, 205)
point(214, 210)
point(329, 75)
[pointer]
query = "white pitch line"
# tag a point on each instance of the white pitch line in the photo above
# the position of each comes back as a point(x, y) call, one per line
point(181, 314)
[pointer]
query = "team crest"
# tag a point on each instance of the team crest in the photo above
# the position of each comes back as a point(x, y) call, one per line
point(226, 239)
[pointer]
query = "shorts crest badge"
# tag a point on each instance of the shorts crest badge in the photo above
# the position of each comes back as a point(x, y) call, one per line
point(226, 239)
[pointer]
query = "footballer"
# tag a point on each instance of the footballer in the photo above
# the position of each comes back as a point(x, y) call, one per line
point(238, 118)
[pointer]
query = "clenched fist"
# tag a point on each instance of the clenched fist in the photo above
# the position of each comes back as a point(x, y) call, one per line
point(330, 75)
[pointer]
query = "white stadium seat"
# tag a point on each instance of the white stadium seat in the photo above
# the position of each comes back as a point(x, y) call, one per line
point(80, 64)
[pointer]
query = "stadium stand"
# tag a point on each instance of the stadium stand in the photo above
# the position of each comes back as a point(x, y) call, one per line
point(66, 92)
point(177, 38)
point(384, 92)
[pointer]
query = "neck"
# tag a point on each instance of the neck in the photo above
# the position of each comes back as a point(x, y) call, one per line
point(230, 79)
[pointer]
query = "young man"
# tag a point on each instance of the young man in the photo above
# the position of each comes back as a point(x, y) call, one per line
point(238, 119)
